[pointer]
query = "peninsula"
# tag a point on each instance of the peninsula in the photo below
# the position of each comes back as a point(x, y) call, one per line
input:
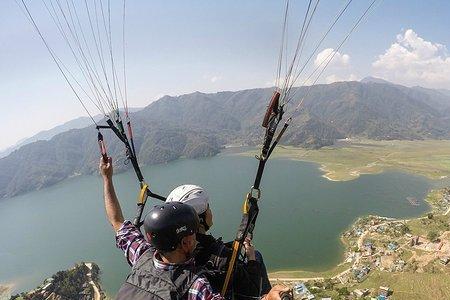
point(386, 258)
point(348, 158)
point(80, 282)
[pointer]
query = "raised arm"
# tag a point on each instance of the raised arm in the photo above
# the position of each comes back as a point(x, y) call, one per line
point(112, 205)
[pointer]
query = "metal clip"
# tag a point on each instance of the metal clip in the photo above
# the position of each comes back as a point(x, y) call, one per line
point(288, 121)
point(257, 191)
point(143, 193)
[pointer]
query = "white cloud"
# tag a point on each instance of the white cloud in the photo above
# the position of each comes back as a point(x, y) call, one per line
point(339, 60)
point(411, 60)
point(339, 68)
point(212, 78)
point(335, 78)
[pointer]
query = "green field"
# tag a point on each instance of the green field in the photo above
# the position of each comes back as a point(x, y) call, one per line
point(422, 226)
point(348, 159)
point(408, 286)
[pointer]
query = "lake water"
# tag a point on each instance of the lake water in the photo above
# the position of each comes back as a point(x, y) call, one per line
point(302, 215)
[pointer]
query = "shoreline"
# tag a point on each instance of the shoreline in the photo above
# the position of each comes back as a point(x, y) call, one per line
point(335, 271)
point(327, 173)
point(6, 289)
point(348, 161)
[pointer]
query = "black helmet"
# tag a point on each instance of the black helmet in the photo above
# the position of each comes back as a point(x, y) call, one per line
point(168, 223)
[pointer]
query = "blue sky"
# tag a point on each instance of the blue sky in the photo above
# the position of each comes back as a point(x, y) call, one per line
point(176, 47)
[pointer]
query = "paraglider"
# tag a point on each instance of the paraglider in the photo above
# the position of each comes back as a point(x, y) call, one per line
point(97, 80)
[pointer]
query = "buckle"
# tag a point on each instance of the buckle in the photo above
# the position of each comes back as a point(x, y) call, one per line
point(254, 190)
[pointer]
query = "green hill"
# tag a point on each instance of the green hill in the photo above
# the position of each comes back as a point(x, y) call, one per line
point(198, 125)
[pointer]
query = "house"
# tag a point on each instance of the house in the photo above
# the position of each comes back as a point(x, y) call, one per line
point(300, 288)
point(384, 291)
point(368, 245)
point(361, 293)
point(303, 292)
point(444, 260)
point(361, 273)
point(392, 246)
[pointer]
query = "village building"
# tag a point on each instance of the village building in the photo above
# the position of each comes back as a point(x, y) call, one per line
point(444, 260)
point(361, 293)
point(384, 291)
point(302, 291)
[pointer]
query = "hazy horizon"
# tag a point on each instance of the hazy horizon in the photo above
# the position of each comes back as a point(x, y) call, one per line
point(177, 48)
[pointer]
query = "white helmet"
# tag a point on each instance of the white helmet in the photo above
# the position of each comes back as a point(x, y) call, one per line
point(190, 194)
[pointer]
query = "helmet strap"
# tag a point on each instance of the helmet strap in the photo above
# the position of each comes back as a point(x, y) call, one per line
point(202, 218)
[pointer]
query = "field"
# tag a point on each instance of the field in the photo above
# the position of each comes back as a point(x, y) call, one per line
point(422, 286)
point(423, 226)
point(297, 275)
point(348, 159)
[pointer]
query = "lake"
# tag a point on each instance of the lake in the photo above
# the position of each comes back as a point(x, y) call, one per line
point(302, 215)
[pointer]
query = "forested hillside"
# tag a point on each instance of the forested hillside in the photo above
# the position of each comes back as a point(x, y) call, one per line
point(198, 125)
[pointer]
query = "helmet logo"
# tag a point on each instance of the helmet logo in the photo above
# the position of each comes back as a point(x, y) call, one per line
point(181, 229)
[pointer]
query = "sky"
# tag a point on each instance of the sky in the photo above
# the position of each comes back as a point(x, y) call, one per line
point(178, 47)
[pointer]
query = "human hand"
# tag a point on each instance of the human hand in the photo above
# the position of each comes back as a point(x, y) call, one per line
point(106, 168)
point(275, 292)
point(249, 249)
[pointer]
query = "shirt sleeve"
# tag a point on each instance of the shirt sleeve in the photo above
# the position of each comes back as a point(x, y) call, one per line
point(131, 241)
point(202, 290)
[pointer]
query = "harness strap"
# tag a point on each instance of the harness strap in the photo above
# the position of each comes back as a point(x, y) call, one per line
point(271, 120)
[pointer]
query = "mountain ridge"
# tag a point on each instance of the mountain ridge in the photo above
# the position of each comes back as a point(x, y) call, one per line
point(47, 134)
point(200, 124)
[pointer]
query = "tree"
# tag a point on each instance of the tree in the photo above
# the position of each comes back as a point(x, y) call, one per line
point(343, 291)
point(328, 284)
point(404, 229)
point(432, 235)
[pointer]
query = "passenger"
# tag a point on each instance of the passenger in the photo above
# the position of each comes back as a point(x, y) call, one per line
point(214, 254)
point(164, 267)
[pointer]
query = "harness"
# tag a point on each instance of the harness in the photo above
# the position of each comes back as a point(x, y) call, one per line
point(147, 282)
point(272, 118)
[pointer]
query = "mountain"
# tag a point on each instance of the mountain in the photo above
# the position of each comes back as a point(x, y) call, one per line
point(437, 98)
point(444, 91)
point(370, 79)
point(45, 135)
point(378, 111)
point(198, 125)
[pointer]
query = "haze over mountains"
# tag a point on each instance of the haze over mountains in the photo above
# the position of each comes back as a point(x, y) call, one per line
point(45, 135)
point(198, 125)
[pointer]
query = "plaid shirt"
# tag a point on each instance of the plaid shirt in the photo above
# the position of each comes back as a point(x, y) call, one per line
point(130, 240)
